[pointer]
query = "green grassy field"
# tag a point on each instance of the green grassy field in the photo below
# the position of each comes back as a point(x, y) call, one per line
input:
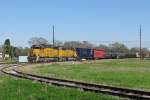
point(19, 89)
point(8, 61)
point(126, 73)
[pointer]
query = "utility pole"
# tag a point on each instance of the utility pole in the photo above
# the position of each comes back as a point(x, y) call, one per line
point(140, 43)
point(53, 36)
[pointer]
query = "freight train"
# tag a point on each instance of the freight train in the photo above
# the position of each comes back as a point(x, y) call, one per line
point(47, 53)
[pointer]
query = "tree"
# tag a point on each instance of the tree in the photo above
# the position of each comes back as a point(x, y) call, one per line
point(37, 41)
point(105, 47)
point(73, 44)
point(26, 51)
point(58, 43)
point(76, 44)
point(134, 50)
point(7, 48)
point(20, 51)
point(137, 49)
point(87, 44)
point(119, 48)
point(13, 49)
point(145, 52)
point(1, 48)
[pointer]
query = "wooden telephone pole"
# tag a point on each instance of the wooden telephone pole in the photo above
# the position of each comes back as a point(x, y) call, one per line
point(53, 36)
point(140, 43)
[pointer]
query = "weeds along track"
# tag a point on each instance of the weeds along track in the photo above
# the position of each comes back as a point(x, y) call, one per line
point(10, 69)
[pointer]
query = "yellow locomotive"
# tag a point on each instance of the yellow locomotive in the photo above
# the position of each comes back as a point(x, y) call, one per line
point(46, 53)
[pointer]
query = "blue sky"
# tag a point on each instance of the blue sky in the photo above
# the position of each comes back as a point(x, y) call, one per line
point(92, 20)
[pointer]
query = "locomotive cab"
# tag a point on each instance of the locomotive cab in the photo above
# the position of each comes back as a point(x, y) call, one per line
point(34, 53)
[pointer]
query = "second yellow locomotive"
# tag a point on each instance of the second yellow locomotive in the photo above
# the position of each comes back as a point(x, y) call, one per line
point(46, 53)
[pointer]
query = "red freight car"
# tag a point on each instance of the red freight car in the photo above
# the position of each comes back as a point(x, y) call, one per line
point(99, 53)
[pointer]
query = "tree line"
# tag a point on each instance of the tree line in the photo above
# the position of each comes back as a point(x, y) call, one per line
point(9, 51)
point(110, 48)
point(116, 47)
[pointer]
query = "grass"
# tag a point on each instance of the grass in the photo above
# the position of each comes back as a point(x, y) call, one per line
point(20, 89)
point(8, 61)
point(126, 73)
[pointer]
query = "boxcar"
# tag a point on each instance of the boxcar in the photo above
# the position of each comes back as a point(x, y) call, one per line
point(84, 53)
point(99, 54)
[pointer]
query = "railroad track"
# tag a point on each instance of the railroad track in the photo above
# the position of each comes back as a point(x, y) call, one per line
point(117, 91)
